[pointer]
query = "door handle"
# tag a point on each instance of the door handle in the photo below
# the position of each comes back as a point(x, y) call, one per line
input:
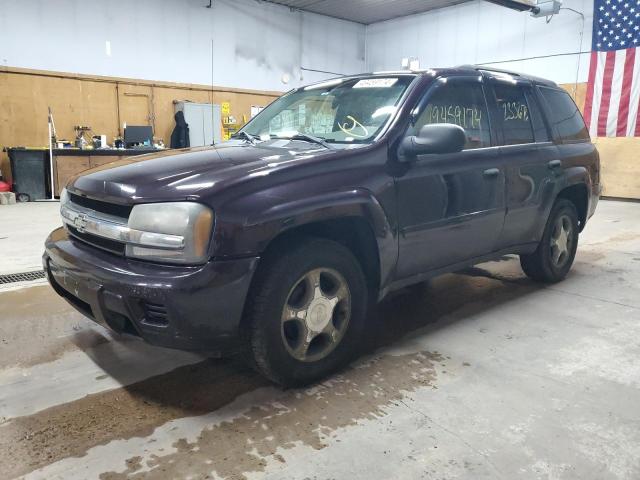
point(553, 164)
point(491, 172)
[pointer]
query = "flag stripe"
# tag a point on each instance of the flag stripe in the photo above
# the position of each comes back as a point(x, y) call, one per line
point(616, 92)
point(637, 132)
point(625, 93)
point(606, 93)
point(597, 92)
point(634, 99)
point(588, 101)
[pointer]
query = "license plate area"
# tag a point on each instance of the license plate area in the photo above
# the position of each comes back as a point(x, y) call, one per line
point(75, 290)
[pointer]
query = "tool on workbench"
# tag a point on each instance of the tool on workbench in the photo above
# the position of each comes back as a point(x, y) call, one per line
point(81, 132)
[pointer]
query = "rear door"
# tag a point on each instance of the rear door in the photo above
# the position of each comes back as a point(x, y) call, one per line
point(528, 154)
point(451, 206)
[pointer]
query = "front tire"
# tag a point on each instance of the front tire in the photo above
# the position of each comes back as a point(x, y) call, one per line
point(554, 256)
point(306, 311)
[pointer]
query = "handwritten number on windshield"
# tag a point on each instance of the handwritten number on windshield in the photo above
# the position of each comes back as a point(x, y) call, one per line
point(349, 129)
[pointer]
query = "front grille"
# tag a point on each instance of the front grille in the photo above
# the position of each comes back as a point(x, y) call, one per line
point(99, 242)
point(102, 207)
point(155, 314)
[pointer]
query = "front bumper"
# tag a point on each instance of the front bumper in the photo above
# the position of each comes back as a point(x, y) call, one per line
point(184, 307)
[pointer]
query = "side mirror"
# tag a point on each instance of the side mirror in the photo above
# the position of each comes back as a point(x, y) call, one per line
point(433, 138)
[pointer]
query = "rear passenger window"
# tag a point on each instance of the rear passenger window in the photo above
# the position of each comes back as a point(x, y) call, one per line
point(565, 115)
point(514, 113)
point(537, 120)
point(462, 104)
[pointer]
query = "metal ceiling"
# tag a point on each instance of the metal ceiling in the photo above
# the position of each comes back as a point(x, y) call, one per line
point(366, 11)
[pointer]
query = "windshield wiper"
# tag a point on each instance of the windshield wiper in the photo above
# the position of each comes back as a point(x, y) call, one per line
point(308, 138)
point(247, 136)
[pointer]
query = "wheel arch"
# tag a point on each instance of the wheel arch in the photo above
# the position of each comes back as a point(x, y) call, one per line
point(573, 185)
point(353, 232)
point(578, 194)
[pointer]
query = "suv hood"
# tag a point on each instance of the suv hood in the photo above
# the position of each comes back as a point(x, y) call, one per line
point(191, 173)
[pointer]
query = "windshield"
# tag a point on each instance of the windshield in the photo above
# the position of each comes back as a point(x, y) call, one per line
point(337, 111)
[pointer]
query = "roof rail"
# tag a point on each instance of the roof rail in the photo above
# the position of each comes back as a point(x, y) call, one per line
point(532, 78)
point(490, 69)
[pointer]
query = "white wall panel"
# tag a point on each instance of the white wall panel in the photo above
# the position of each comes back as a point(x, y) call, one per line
point(255, 43)
point(333, 45)
point(481, 32)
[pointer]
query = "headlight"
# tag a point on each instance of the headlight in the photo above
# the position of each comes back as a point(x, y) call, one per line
point(174, 232)
point(64, 197)
point(64, 202)
point(170, 232)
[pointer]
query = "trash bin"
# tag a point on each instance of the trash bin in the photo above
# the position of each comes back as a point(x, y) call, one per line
point(30, 171)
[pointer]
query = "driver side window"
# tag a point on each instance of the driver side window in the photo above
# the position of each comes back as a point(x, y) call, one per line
point(462, 104)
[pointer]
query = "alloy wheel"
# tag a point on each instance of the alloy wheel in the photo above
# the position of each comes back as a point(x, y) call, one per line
point(561, 240)
point(316, 314)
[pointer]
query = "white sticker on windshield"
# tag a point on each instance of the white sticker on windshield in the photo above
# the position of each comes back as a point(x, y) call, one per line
point(376, 83)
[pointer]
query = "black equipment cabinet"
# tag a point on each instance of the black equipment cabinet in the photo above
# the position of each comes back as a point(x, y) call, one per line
point(30, 171)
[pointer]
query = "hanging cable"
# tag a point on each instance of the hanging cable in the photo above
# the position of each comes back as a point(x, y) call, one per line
point(575, 86)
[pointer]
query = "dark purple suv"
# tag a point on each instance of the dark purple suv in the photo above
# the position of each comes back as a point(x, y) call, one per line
point(278, 241)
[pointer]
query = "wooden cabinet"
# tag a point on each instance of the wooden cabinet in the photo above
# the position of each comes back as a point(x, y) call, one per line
point(99, 160)
point(67, 167)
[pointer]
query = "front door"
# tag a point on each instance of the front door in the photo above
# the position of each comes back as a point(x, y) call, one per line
point(451, 207)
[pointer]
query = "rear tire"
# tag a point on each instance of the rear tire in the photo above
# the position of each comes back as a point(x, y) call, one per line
point(305, 313)
point(554, 256)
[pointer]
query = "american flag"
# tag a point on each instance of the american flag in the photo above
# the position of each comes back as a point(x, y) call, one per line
point(613, 92)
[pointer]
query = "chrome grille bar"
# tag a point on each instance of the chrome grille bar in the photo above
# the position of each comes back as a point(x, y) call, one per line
point(89, 221)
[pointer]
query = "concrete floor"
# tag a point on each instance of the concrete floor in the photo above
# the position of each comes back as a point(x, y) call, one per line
point(23, 229)
point(481, 374)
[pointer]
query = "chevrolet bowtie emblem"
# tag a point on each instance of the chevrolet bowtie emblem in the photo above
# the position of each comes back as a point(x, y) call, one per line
point(80, 222)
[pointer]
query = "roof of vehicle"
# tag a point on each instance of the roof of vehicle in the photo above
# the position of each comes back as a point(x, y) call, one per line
point(460, 70)
point(491, 70)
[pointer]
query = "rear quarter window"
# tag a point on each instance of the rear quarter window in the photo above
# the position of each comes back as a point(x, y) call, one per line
point(564, 115)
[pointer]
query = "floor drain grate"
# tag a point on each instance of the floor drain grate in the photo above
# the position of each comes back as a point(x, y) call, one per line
point(21, 277)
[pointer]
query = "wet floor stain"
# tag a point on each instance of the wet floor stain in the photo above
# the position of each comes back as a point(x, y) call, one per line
point(309, 417)
point(612, 242)
point(70, 429)
point(36, 326)
point(589, 256)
